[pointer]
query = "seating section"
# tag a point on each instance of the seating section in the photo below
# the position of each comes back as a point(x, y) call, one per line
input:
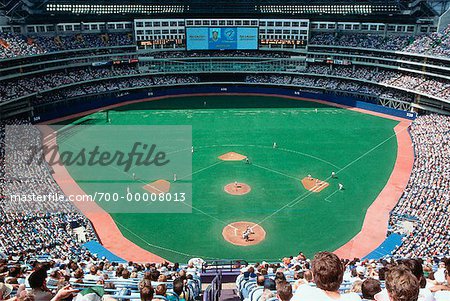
point(434, 44)
point(15, 45)
point(34, 228)
point(259, 281)
point(47, 236)
point(31, 84)
point(372, 77)
point(118, 281)
point(425, 202)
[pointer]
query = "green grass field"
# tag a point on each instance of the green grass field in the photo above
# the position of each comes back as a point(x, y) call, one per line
point(360, 148)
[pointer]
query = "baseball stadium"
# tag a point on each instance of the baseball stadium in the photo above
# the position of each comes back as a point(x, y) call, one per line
point(239, 151)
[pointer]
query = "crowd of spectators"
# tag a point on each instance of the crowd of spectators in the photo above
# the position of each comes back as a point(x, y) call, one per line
point(89, 278)
point(114, 85)
point(432, 86)
point(13, 45)
point(332, 84)
point(360, 40)
point(85, 40)
point(15, 88)
point(326, 277)
point(426, 199)
point(437, 44)
point(31, 84)
point(434, 44)
point(29, 226)
point(23, 86)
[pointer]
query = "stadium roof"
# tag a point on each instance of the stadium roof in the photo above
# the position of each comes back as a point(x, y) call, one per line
point(82, 10)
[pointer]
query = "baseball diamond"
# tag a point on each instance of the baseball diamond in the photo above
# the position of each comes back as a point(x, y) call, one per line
point(282, 197)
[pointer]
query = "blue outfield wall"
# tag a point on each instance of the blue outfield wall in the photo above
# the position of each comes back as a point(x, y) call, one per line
point(391, 242)
point(100, 251)
point(65, 110)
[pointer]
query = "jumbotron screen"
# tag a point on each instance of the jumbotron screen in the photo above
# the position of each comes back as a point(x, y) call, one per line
point(221, 38)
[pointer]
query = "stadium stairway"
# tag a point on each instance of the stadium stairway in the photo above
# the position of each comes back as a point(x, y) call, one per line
point(229, 293)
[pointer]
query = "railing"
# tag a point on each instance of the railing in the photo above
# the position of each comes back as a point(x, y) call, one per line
point(219, 266)
point(213, 291)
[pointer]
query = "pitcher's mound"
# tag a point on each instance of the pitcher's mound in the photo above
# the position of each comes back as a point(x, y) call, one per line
point(157, 187)
point(237, 188)
point(232, 156)
point(233, 233)
point(314, 185)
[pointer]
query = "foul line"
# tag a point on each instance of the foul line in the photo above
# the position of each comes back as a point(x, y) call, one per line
point(184, 203)
point(308, 155)
point(202, 169)
point(168, 153)
point(302, 197)
point(327, 198)
point(274, 171)
point(160, 247)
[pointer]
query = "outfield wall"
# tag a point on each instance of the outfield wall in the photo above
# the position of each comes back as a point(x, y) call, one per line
point(157, 93)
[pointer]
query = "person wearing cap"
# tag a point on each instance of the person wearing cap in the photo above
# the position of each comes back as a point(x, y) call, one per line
point(269, 290)
point(38, 284)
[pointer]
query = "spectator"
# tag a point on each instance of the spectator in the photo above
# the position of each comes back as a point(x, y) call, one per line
point(369, 288)
point(401, 285)
point(38, 284)
point(328, 273)
point(284, 291)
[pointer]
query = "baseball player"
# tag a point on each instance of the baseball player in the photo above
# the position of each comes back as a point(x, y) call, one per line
point(246, 233)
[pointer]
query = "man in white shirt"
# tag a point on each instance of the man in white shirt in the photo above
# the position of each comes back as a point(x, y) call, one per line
point(328, 273)
point(442, 291)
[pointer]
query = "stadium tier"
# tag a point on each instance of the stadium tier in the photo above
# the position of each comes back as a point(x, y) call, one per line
point(182, 151)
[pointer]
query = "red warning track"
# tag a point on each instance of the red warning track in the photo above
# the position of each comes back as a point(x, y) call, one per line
point(374, 228)
point(107, 230)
